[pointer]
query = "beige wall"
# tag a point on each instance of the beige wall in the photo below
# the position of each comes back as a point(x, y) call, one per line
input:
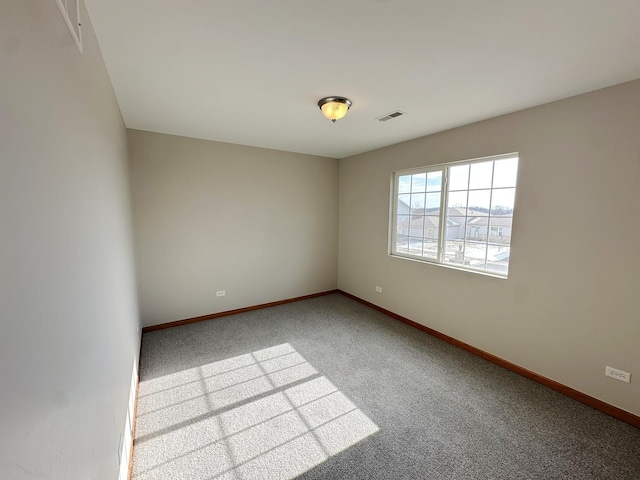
point(260, 224)
point(571, 304)
point(68, 325)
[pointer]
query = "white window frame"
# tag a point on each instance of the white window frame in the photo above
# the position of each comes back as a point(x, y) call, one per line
point(444, 208)
point(73, 21)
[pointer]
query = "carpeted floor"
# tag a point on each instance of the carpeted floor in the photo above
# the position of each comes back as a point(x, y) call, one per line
point(330, 389)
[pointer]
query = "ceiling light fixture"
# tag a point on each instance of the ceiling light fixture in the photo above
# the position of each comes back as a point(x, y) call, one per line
point(334, 108)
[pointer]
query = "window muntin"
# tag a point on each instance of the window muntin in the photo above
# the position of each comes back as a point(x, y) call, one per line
point(456, 214)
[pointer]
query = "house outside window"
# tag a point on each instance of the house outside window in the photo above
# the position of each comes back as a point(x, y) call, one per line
point(457, 214)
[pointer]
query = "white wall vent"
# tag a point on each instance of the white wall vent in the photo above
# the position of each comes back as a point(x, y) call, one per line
point(70, 10)
point(391, 115)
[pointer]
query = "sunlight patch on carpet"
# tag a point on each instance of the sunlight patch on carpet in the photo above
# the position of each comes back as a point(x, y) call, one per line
point(267, 414)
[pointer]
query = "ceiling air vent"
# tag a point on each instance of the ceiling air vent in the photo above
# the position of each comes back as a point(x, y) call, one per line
point(391, 115)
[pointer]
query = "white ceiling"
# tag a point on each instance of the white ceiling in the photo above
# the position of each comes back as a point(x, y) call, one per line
point(251, 71)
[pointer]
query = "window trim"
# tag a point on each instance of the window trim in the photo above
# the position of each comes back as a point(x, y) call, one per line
point(444, 168)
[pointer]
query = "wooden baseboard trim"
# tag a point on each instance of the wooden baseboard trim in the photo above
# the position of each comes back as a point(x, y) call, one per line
point(211, 316)
point(604, 407)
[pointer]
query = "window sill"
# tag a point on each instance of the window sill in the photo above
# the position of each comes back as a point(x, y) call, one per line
point(449, 266)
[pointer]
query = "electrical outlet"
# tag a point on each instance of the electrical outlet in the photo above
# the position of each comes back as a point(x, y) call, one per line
point(617, 374)
point(379, 289)
point(220, 293)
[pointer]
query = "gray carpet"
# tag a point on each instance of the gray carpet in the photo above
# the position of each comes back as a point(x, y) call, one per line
point(330, 389)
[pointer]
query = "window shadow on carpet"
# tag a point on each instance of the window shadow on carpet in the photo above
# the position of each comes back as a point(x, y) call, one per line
point(265, 414)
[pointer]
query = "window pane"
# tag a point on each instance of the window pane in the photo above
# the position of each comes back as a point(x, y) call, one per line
point(458, 200)
point(502, 201)
point(430, 249)
point(500, 230)
point(498, 259)
point(404, 184)
point(416, 225)
point(404, 204)
point(415, 246)
point(454, 251)
point(475, 254)
point(477, 228)
point(479, 201)
point(402, 224)
point(402, 241)
point(434, 181)
point(431, 227)
point(417, 203)
point(459, 177)
point(402, 233)
point(455, 228)
point(418, 182)
point(481, 175)
point(505, 173)
point(433, 202)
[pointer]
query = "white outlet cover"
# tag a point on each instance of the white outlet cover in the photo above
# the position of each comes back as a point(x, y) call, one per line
point(617, 374)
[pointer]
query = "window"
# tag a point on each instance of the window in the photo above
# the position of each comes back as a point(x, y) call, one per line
point(70, 10)
point(457, 214)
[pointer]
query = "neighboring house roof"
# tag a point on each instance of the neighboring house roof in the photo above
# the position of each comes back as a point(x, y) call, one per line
point(479, 218)
point(427, 221)
point(451, 211)
point(465, 212)
point(496, 221)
